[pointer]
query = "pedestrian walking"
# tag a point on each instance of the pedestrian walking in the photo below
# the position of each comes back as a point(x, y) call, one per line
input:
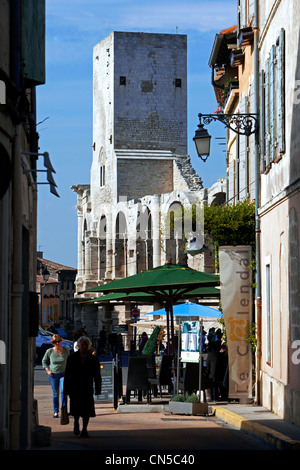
point(54, 362)
point(82, 374)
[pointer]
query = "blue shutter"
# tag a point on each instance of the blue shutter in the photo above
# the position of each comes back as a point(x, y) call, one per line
point(251, 140)
point(243, 13)
point(243, 170)
point(251, 10)
point(231, 182)
point(281, 91)
point(273, 103)
point(262, 112)
point(267, 113)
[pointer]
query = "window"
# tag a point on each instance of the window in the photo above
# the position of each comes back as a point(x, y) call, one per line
point(268, 312)
point(122, 80)
point(178, 82)
point(102, 175)
point(272, 104)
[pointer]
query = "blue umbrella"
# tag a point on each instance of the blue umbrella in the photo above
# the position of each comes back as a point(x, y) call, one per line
point(190, 309)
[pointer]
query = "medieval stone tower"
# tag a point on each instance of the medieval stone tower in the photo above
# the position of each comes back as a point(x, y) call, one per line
point(140, 167)
point(140, 114)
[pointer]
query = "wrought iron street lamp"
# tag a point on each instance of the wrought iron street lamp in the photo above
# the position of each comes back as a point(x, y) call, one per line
point(242, 124)
point(202, 141)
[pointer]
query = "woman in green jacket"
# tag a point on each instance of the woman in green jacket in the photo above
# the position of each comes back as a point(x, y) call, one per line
point(54, 362)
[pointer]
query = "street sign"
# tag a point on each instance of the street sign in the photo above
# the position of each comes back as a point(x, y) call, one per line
point(135, 313)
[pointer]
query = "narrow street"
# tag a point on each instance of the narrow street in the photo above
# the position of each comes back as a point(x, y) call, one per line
point(155, 433)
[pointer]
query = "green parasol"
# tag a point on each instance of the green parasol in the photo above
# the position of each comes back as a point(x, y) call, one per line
point(144, 298)
point(167, 284)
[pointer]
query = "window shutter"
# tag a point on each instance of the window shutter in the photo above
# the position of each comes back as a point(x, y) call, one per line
point(267, 112)
point(262, 117)
point(252, 148)
point(231, 182)
point(272, 103)
point(251, 10)
point(281, 91)
point(243, 157)
point(242, 14)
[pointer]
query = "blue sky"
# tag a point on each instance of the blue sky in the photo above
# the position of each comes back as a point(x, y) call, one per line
point(64, 103)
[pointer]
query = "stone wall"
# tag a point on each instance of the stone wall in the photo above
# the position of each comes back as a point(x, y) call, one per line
point(139, 177)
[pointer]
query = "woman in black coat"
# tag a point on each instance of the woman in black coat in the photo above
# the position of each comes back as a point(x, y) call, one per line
point(82, 371)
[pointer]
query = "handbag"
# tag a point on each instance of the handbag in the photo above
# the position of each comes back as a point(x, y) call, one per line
point(64, 418)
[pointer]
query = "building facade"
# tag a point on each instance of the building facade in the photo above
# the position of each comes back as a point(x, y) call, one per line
point(56, 294)
point(22, 68)
point(279, 211)
point(140, 172)
point(263, 56)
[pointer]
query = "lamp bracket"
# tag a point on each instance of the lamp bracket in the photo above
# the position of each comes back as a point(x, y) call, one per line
point(242, 124)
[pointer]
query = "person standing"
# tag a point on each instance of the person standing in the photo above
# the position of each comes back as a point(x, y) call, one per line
point(143, 341)
point(82, 373)
point(54, 362)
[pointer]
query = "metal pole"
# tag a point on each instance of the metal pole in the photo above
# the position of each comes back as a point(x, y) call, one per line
point(200, 360)
point(115, 383)
point(178, 357)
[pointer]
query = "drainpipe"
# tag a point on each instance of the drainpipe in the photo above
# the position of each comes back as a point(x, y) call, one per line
point(257, 203)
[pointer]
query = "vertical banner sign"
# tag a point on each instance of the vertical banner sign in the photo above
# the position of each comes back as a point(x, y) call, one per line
point(236, 298)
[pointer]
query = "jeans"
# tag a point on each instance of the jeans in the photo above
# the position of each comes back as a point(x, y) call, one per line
point(57, 381)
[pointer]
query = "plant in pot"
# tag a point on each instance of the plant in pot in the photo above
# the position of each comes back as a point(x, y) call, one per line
point(188, 405)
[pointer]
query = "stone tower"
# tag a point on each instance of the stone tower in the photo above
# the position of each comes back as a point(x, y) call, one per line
point(140, 114)
point(140, 163)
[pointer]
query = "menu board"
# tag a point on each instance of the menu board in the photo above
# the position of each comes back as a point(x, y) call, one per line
point(107, 389)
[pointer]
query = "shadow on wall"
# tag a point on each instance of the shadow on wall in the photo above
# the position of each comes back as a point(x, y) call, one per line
point(292, 399)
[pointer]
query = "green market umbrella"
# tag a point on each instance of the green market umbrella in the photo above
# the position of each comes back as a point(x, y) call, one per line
point(141, 297)
point(167, 284)
point(144, 298)
point(169, 279)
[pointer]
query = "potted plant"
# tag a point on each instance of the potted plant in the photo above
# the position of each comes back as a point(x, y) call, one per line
point(188, 405)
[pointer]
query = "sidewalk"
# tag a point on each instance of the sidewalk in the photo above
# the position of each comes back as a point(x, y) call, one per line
point(133, 425)
point(261, 422)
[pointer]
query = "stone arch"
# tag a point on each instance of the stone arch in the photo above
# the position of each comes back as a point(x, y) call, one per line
point(144, 239)
point(102, 247)
point(121, 239)
point(174, 236)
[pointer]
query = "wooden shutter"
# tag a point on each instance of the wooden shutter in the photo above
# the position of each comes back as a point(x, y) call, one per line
point(251, 140)
point(273, 103)
point(281, 91)
point(262, 112)
point(267, 112)
point(243, 17)
point(251, 10)
point(231, 183)
point(243, 157)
